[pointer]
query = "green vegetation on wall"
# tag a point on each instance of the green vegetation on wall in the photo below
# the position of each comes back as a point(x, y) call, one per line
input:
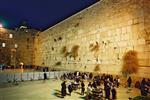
point(74, 51)
point(130, 63)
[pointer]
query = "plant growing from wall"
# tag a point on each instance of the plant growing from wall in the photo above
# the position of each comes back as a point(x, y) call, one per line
point(58, 63)
point(64, 51)
point(95, 49)
point(130, 63)
point(91, 45)
point(66, 54)
point(74, 51)
point(97, 68)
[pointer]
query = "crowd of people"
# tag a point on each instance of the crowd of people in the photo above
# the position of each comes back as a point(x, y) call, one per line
point(145, 87)
point(99, 84)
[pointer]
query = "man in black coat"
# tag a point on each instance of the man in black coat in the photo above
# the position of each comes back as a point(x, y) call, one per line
point(129, 81)
point(82, 88)
point(63, 89)
point(70, 88)
point(107, 89)
point(45, 76)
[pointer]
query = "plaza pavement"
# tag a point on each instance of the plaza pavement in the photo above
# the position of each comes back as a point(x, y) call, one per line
point(50, 90)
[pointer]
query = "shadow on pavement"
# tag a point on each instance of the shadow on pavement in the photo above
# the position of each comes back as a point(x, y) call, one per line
point(84, 98)
point(57, 93)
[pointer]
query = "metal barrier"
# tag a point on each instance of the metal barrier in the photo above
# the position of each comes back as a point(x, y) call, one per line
point(26, 76)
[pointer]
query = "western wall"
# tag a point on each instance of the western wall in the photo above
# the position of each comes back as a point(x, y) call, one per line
point(99, 35)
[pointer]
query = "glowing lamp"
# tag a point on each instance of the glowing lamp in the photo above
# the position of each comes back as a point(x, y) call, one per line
point(3, 45)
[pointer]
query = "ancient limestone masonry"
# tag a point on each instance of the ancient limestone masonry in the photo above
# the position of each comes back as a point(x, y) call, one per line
point(104, 32)
point(25, 42)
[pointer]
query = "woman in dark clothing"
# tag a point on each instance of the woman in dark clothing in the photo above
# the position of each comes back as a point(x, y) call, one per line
point(143, 88)
point(82, 88)
point(129, 81)
point(45, 76)
point(63, 89)
point(90, 76)
point(113, 91)
point(70, 88)
point(94, 85)
point(107, 89)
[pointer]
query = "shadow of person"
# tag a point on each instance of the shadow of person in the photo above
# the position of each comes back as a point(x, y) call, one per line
point(57, 93)
point(57, 90)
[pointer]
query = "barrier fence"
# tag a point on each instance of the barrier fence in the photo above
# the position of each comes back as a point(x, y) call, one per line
point(26, 76)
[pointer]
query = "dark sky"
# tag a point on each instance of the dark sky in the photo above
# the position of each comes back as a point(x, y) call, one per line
point(39, 14)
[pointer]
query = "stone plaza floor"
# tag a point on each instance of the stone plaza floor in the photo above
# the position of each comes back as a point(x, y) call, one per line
point(50, 90)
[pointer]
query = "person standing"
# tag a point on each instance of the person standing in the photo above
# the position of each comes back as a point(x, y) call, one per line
point(63, 89)
point(129, 81)
point(82, 88)
point(143, 88)
point(45, 76)
point(90, 76)
point(89, 92)
point(118, 81)
point(70, 88)
point(107, 89)
point(113, 91)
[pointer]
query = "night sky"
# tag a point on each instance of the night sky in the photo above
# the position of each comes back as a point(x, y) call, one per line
point(39, 14)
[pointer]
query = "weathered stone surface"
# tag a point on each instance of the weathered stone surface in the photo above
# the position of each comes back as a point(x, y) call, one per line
point(116, 25)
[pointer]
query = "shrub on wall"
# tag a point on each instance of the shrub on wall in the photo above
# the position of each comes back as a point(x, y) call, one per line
point(97, 69)
point(58, 63)
point(95, 49)
point(91, 45)
point(64, 49)
point(74, 51)
point(66, 54)
point(130, 63)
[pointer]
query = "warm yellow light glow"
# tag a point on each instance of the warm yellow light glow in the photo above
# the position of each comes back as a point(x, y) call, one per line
point(10, 36)
point(2, 30)
point(3, 45)
point(16, 45)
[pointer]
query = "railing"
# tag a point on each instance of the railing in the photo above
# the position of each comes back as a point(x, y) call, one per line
point(29, 76)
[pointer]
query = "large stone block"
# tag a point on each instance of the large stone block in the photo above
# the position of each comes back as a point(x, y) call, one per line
point(116, 26)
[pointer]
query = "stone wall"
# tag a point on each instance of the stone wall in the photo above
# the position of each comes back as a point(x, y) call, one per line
point(103, 33)
point(24, 38)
